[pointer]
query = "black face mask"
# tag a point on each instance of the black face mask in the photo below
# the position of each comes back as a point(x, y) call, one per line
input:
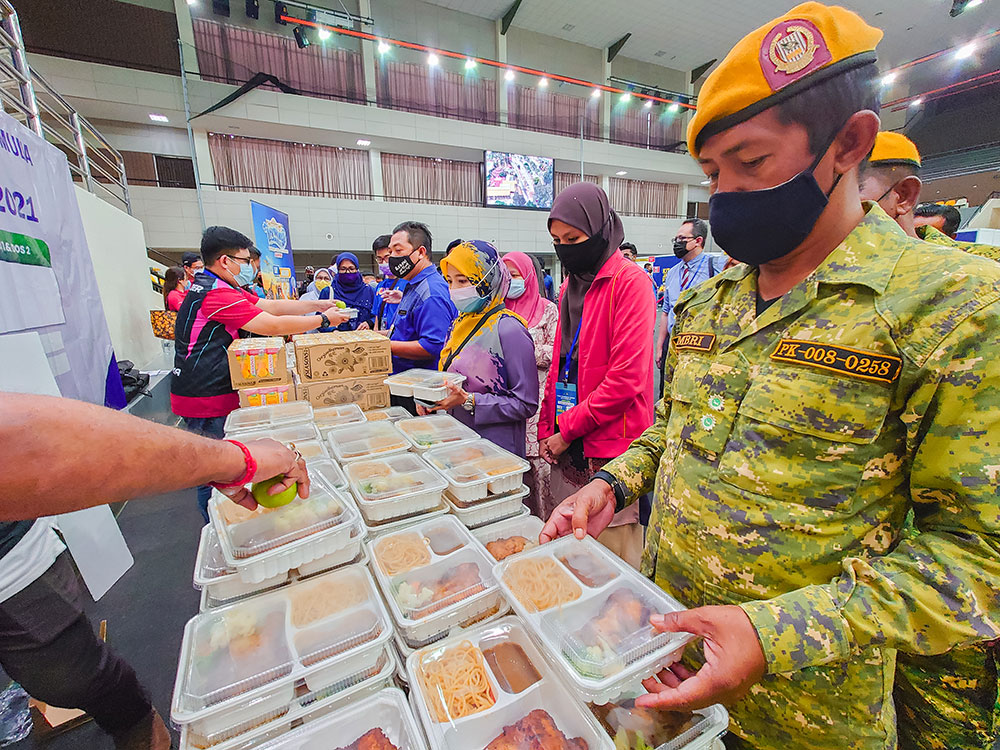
point(400, 265)
point(681, 247)
point(758, 226)
point(582, 257)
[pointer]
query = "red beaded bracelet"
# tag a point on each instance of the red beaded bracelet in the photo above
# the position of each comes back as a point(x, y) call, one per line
point(247, 475)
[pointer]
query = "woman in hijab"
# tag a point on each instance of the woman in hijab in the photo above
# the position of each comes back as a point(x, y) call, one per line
point(599, 393)
point(350, 288)
point(321, 280)
point(542, 318)
point(490, 346)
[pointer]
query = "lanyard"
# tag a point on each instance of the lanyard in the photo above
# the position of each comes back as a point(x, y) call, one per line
point(694, 274)
point(572, 348)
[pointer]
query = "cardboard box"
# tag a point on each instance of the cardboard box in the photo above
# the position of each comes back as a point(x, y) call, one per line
point(258, 362)
point(341, 355)
point(269, 394)
point(368, 393)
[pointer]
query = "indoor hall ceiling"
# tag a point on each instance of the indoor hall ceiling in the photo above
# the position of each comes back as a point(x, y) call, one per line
point(683, 34)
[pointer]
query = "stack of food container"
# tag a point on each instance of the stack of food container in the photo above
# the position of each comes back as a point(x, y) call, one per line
point(423, 386)
point(435, 430)
point(354, 442)
point(396, 490)
point(327, 417)
point(392, 413)
point(484, 481)
point(256, 668)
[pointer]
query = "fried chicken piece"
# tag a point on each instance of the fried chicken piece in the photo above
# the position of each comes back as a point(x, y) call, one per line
point(622, 615)
point(371, 740)
point(503, 548)
point(458, 583)
point(536, 731)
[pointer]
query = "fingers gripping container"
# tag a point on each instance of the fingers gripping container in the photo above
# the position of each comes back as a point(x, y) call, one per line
point(387, 712)
point(242, 665)
point(395, 487)
point(328, 473)
point(431, 431)
point(264, 543)
point(391, 413)
point(495, 509)
point(354, 442)
point(591, 612)
point(526, 527)
point(433, 576)
point(662, 730)
point(274, 415)
point(425, 385)
point(477, 470)
point(334, 416)
point(526, 698)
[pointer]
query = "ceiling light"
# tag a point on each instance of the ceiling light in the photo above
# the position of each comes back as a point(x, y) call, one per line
point(648, 104)
point(595, 94)
point(965, 50)
point(382, 47)
point(192, 2)
point(973, 3)
point(543, 83)
point(626, 96)
point(917, 102)
point(364, 142)
point(621, 173)
point(674, 107)
point(432, 60)
point(889, 78)
point(509, 75)
point(324, 34)
point(158, 118)
point(470, 64)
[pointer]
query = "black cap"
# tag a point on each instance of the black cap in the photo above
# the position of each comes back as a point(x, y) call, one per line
point(189, 259)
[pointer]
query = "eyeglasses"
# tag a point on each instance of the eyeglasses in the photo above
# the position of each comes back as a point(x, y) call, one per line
point(238, 259)
point(348, 269)
point(686, 239)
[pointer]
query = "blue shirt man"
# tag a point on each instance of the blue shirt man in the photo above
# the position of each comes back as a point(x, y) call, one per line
point(385, 312)
point(425, 313)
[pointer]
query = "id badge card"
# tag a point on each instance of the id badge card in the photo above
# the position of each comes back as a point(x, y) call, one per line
point(565, 398)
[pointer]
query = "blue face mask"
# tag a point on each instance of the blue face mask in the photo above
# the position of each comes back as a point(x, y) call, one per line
point(516, 288)
point(467, 300)
point(246, 275)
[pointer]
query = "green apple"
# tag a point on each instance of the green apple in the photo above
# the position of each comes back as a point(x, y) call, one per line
point(341, 304)
point(260, 493)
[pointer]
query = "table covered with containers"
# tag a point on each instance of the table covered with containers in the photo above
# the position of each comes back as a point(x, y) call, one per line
point(407, 604)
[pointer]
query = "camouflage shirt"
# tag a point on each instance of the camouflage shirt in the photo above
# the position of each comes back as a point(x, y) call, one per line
point(932, 234)
point(790, 447)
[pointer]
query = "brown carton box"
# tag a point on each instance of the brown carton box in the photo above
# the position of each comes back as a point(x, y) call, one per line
point(342, 354)
point(368, 393)
point(268, 394)
point(258, 362)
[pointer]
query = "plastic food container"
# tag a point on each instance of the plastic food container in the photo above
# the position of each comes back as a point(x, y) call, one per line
point(433, 576)
point(328, 472)
point(242, 664)
point(311, 449)
point(426, 385)
point(308, 707)
point(274, 415)
point(294, 433)
point(489, 511)
point(630, 727)
point(266, 542)
point(509, 537)
point(394, 487)
point(381, 528)
point(386, 714)
point(522, 694)
point(219, 583)
point(354, 442)
point(591, 613)
point(431, 431)
point(391, 413)
point(477, 469)
point(404, 649)
point(334, 416)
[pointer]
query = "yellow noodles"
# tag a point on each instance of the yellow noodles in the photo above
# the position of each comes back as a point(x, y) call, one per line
point(401, 553)
point(455, 682)
point(540, 583)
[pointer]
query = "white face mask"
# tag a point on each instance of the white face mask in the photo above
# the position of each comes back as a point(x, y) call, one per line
point(467, 299)
point(516, 288)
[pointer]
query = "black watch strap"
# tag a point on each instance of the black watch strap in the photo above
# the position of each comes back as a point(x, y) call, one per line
point(617, 487)
point(325, 320)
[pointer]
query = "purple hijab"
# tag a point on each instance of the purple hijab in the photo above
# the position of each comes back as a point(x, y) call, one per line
point(584, 206)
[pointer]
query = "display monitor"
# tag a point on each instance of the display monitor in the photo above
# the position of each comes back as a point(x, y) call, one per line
point(519, 181)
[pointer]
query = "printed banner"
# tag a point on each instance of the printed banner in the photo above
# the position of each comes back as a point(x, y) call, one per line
point(271, 235)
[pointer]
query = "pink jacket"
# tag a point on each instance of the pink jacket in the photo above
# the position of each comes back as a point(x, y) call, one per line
point(615, 380)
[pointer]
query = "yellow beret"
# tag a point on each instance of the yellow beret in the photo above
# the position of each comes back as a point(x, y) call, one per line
point(894, 148)
point(810, 43)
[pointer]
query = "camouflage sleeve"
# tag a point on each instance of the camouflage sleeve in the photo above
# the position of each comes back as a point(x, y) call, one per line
point(937, 589)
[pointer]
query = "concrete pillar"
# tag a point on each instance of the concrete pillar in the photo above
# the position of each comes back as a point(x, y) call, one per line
point(502, 82)
point(375, 160)
point(367, 54)
point(606, 98)
point(205, 169)
point(185, 32)
point(682, 200)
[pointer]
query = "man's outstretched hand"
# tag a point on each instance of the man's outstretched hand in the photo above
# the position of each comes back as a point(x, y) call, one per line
point(273, 458)
point(589, 511)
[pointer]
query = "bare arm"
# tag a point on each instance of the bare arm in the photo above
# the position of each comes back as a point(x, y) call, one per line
point(267, 324)
point(61, 455)
point(409, 350)
point(294, 306)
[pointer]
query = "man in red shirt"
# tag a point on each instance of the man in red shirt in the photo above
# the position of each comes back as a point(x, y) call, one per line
point(214, 311)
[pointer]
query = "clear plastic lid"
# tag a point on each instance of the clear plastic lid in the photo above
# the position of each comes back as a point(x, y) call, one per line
point(356, 441)
point(249, 533)
point(428, 378)
point(210, 564)
point(392, 414)
point(474, 462)
point(311, 449)
point(293, 433)
point(509, 537)
point(327, 472)
point(249, 648)
point(434, 430)
point(334, 416)
point(255, 417)
point(633, 728)
point(393, 476)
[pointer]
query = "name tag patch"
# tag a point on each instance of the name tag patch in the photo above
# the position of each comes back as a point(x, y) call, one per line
point(854, 362)
point(702, 342)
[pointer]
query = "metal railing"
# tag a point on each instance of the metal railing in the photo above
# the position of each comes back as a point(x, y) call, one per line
point(31, 100)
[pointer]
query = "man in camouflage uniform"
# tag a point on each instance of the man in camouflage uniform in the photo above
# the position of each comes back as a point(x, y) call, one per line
point(841, 378)
point(892, 178)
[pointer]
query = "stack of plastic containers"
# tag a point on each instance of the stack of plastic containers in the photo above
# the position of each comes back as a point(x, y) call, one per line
point(429, 432)
point(484, 481)
point(327, 417)
point(395, 490)
point(631, 727)
point(262, 544)
point(590, 612)
point(353, 442)
point(265, 417)
point(429, 386)
point(509, 537)
point(434, 577)
point(262, 664)
point(329, 473)
point(492, 682)
point(391, 413)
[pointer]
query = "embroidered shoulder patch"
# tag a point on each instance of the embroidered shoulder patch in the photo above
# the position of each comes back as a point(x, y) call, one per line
point(854, 362)
point(702, 342)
